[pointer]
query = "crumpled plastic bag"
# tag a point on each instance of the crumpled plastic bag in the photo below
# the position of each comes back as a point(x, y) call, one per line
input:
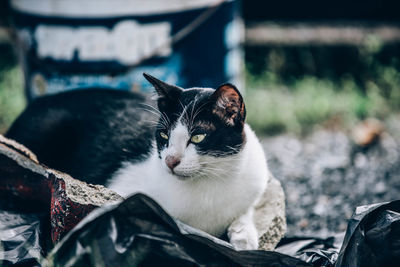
point(316, 251)
point(137, 232)
point(372, 239)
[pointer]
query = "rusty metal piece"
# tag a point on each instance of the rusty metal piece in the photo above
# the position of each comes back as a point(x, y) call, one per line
point(67, 200)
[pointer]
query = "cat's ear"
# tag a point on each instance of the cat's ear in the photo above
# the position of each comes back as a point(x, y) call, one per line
point(164, 90)
point(228, 105)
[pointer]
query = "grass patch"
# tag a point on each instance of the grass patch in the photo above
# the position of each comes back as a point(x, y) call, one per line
point(12, 99)
point(274, 106)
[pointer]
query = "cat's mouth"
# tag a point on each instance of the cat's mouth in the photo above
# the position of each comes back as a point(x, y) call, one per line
point(181, 176)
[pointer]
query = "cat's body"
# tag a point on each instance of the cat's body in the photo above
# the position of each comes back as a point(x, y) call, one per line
point(223, 195)
point(204, 165)
point(87, 133)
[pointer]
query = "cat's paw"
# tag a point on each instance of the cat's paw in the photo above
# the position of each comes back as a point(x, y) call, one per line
point(243, 237)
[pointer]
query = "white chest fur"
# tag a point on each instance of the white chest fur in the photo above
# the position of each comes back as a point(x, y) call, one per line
point(208, 203)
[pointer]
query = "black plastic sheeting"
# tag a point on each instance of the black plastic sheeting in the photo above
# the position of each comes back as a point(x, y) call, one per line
point(372, 237)
point(137, 232)
point(317, 251)
point(21, 242)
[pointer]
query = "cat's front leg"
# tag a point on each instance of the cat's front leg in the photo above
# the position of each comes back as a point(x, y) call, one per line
point(242, 233)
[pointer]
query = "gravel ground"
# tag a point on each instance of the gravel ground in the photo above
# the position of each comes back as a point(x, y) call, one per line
point(326, 176)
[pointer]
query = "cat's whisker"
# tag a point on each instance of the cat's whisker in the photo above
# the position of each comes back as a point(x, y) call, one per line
point(191, 113)
point(199, 110)
point(152, 122)
point(165, 121)
point(161, 123)
point(196, 113)
point(216, 163)
point(236, 149)
point(214, 176)
point(213, 168)
point(220, 170)
point(165, 116)
point(154, 110)
point(149, 110)
point(149, 107)
point(184, 114)
point(162, 118)
point(231, 159)
point(213, 172)
point(157, 124)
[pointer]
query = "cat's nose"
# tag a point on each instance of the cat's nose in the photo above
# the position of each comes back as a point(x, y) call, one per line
point(172, 161)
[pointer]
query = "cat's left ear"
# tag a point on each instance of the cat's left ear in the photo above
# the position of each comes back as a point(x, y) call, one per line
point(164, 90)
point(228, 104)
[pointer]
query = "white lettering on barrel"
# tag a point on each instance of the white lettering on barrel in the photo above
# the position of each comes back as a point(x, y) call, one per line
point(127, 42)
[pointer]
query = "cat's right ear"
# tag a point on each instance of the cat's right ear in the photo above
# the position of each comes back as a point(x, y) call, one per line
point(164, 90)
point(228, 105)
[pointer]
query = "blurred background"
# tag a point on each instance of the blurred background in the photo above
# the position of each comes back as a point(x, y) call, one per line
point(322, 90)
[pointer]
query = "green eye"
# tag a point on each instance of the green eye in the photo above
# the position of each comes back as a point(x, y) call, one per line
point(198, 138)
point(163, 135)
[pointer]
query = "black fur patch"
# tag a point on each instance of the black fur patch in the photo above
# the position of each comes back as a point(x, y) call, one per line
point(86, 133)
point(90, 133)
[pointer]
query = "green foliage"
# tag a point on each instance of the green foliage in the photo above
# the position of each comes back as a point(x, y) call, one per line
point(275, 107)
point(12, 100)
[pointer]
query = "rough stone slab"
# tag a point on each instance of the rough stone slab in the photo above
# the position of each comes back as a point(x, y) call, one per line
point(270, 215)
point(68, 199)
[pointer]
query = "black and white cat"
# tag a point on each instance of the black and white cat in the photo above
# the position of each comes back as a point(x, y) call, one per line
point(194, 154)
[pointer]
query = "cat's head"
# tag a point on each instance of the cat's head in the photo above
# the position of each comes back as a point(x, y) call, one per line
point(201, 130)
